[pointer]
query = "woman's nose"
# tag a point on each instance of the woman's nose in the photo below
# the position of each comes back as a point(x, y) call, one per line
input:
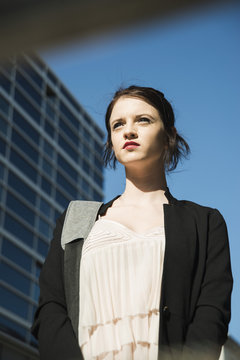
point(130, 132)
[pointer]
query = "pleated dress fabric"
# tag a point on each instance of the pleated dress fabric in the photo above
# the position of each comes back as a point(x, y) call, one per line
point(120, 287)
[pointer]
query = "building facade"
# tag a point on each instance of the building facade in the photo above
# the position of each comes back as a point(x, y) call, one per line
point(50, 153)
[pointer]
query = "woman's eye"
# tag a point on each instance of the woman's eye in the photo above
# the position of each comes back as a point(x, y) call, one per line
point(144, 119)
point(116, 125)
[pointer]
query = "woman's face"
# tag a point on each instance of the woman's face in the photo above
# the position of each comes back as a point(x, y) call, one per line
point(133, 119)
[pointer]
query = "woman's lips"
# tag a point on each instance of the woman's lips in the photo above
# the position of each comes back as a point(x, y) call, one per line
point(130, 145)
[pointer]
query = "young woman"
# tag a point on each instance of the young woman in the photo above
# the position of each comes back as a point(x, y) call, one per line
point(144, 276)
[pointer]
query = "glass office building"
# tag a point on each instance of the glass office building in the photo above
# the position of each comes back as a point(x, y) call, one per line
point(50, 153)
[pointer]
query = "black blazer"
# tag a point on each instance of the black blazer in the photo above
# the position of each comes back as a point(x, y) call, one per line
point(196, 287)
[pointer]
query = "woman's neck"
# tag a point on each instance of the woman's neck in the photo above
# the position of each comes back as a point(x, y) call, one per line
point(145, 185)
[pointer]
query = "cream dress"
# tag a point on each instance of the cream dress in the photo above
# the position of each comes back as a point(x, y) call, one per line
point(120, 286)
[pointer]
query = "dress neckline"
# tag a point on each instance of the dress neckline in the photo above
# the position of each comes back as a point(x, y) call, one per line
point(149, 231)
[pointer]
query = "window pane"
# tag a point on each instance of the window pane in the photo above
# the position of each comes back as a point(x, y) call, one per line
point(98, 179)
point(46, 186)
point(86, 167)
point(3, 147)
point(47, 167)
point(1, 171)
point(44, 228)
point(69, 115)
point(18, 185)
point(49, 128)
point(36, 291)
point(61, 199)
point(13, 303)
point(48, 149)
point(97, 196)
point(68, 131)
point(62, 181)
point(20, 209)
point(23, 82)
point(4, 107)
point(23, 145)
point(3, 126)
point(25, 126)
point(50, 111)
point(68, 148)
point(42, 248)
point(19, 230)
point(45, 207)
point(27, 106)
point(38, 268)
point(70, 99)
point(14, 278)
point(18, 256)
point(23, 165)
point(31, 73)
point(11, 328)
point(68, 169)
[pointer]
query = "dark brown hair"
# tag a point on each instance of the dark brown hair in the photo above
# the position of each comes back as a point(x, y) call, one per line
point(177, 146)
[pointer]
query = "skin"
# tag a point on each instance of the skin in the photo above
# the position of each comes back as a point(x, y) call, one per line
point(133, 119)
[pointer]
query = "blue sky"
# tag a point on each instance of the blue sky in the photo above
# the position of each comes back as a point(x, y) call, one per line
point(195, 60)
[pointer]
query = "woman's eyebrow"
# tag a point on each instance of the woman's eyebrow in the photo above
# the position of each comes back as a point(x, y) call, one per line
point(136, 116)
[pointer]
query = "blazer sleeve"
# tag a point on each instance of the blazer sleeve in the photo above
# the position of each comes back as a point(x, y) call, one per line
point(209, 327)
point(52, 326)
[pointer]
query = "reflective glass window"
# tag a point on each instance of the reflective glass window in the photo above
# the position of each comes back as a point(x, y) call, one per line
point(1, 171)
point(48, 149)
point(69, 115)
point(68, 131)
point(3, 147)
point(20, 209)
point(52, 77)
point(13, 303)
point(44, 228)
point(70, 99)
point(98, 179)
point(23, 165)
point(61, 199)
point(86, 151)
point(98, 147)
point(85, 185)
point(49, 128)
point(66, 185)
point(68, 169)
point(68, 148)
point(4, 106)
point(45, 207)
point(50, 111)
point(97, 196)
point(27, 106)
point(5, 83)
point(46, 186)
point(31, 73)
point(25, 127)
point(86, 134)
point(36, 291)
point(22, 188)
point(98, 163)
point(14, 278)
point(56, 215)
point(38, 269)
point(86, 166)
point(11, 328)
point(24, 145)
point(98, 131)
point(30, 90)
point(47, 167)
point(20, 231)
point(3, 126)
point(17, 255)
point(42, 247)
